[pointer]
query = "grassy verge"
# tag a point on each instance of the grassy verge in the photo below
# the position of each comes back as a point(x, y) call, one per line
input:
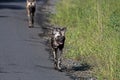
point(93, 34)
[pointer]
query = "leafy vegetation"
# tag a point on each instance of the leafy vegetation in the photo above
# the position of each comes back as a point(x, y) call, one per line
point(93, 34)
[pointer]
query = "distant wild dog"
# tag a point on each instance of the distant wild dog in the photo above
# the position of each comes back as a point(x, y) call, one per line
point(31, 7)
point(57, 44)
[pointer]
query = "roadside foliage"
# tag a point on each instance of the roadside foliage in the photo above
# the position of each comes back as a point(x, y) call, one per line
point(93, 34)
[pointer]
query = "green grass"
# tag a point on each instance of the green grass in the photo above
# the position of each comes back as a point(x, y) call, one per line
point(93, 34)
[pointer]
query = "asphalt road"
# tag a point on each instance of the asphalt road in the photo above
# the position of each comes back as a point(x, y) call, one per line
point(23, 54)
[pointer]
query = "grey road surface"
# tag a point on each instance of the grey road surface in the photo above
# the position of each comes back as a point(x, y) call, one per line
point(23, 56)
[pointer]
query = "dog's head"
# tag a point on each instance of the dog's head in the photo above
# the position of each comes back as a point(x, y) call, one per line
point(59, 35)
point(31, 3)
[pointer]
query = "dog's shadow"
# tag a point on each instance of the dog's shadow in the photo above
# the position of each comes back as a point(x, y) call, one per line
point(82, 67)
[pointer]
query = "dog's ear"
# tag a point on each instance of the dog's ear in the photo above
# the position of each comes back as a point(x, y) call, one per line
point(54, 30)
point(63, 30)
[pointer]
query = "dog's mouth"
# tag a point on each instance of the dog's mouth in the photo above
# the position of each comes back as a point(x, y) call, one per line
point(57, 43)
point(60, 43)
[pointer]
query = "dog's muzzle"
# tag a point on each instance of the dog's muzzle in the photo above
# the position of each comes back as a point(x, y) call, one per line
point(60, 40)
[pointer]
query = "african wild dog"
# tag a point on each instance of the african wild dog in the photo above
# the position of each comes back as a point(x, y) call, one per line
point(57, 44)
point(31, 7)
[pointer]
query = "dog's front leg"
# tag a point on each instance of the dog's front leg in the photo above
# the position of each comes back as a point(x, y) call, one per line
point(59, 60)
point(28, 13)
point(27, 8)
point(54, 54)
point(55, 57)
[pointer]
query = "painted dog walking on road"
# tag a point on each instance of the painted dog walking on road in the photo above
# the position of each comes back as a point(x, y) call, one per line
point(57, 44)
point(31, 7)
